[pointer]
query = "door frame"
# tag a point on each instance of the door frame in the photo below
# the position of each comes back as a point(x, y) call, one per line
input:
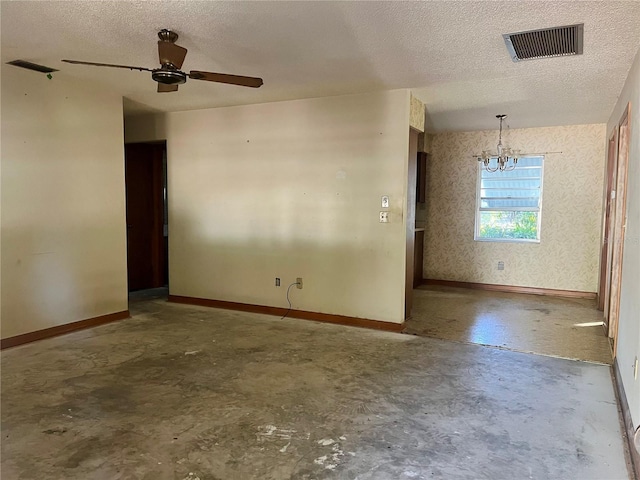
point(412, 169)
point(607, 227)
point(618, 220)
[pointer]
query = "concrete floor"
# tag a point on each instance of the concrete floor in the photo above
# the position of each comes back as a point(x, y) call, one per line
point(525, 323)
point(180, 392)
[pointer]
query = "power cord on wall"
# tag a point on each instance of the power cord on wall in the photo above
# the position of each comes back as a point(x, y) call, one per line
point(289, 301)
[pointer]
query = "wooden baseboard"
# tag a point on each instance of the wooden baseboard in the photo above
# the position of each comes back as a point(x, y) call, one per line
point(62, 329)
point(627, 424)
point(302, 314)
point(512, 289)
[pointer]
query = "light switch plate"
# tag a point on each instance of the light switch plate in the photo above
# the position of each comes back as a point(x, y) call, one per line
point(384, 217)
point(385, 201)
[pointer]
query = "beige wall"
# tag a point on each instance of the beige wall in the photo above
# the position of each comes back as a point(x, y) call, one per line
point(629, 326)
point(566, 257)
point(291, 189)
point(63, 215)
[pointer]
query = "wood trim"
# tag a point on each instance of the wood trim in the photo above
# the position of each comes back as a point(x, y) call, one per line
point(418, 258)
point(512, 289)
point(607, 231)
point(302, 314)
point(421, 183)
point(62, 329)
point(619, 226)
point(625, 420)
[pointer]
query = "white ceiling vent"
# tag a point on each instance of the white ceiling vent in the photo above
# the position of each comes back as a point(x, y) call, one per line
point(545, 43)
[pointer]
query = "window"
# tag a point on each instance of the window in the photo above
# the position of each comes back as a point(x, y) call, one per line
point(508, 203)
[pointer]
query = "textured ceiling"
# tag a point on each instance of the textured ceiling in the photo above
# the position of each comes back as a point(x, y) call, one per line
point(450, 53)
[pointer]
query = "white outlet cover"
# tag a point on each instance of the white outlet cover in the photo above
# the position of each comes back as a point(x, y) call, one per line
point(384, 217)
point(385, 201)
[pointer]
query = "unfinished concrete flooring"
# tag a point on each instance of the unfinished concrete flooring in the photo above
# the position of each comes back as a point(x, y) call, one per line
point(180, 392)
point(525, 323)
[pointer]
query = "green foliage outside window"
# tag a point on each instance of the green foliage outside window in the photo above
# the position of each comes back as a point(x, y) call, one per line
point(509, 225)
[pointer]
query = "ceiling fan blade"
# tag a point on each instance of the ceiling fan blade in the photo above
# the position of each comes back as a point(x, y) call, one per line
point(167, 88)
point(78, 62)
point(253, 82)
point(171, 53)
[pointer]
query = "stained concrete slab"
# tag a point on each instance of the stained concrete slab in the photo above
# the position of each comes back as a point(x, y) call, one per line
point(525, 323)
point(181, 392)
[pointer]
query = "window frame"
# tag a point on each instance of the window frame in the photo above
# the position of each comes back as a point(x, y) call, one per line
point(476, 231)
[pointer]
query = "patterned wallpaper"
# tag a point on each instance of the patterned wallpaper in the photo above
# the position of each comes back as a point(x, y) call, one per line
point(566, 257)
point(416, 114)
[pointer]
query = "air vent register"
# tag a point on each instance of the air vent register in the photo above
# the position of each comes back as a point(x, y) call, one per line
point(545, 43)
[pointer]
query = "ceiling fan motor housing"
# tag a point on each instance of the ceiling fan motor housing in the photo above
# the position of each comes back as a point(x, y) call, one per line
point(169, 77)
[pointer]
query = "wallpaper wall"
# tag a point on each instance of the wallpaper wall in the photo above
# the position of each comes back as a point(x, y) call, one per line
point(566, 257)
point(416, 114)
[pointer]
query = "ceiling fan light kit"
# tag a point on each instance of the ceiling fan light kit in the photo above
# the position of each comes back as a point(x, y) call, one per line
point(169, 75)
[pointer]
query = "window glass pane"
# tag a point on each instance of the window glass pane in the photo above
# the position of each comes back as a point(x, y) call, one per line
point(510, 193)
point(509, 201)
point(524, 182)
point(498, 203)
point(508, 225)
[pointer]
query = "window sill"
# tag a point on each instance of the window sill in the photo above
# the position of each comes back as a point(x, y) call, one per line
point(507, 240)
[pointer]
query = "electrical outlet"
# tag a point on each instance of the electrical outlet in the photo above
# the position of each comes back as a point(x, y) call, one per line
point(299, 283)
point(500, 265)
point(277, 282)
point(384, 217)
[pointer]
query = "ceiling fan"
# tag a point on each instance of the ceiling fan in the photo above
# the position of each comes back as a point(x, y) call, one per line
point(169, 75)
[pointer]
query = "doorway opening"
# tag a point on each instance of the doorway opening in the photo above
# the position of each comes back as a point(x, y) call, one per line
point(147, 219)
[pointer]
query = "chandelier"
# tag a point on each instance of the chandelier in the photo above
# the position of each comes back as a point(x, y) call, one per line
point(502, 157)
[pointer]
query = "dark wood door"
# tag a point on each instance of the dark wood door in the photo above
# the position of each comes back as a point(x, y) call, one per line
point(146, 255)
